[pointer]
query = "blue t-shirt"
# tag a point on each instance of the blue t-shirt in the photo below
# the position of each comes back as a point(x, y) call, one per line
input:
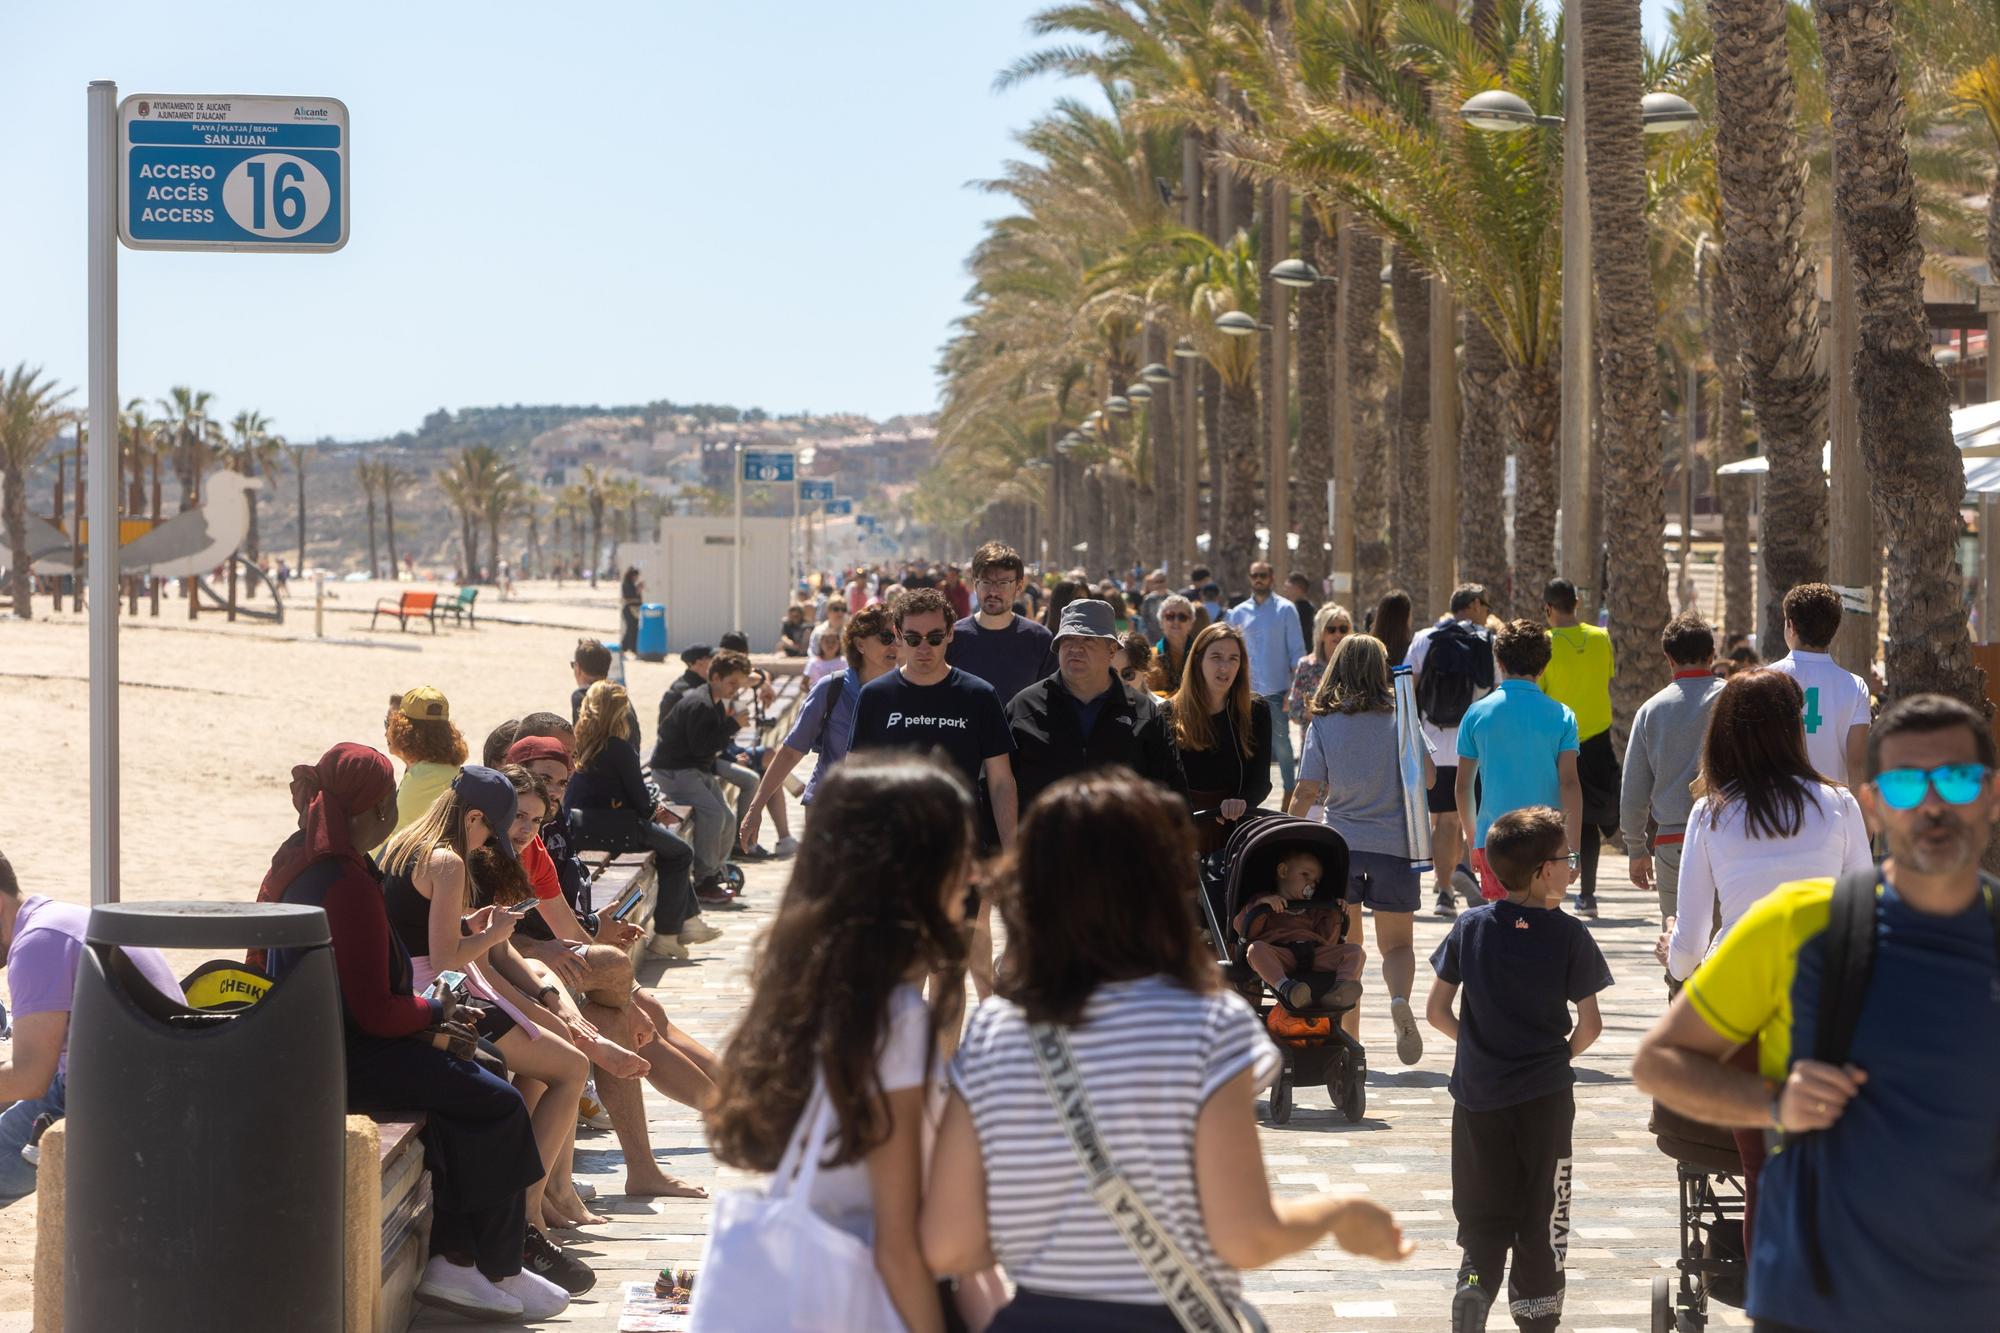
point(960, 717)
point(1010, 660)
point(825, 724)
point(1516, 734)
point(1908, 1179)
point(1519, 969)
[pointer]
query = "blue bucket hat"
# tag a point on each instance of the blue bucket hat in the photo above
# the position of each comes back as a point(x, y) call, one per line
point(491, 795)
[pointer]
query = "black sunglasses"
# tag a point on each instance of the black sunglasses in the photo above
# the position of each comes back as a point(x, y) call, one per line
point(885, 638)
point(1176, 615)
point(934, 638)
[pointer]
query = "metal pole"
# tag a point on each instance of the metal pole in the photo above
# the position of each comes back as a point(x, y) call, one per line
point(1575, 560)
point(736, 561)
point(1340, 507)
point(101, 246)
point(1690, 424)
point(1444, 444)
point(1851, 551)
point(1278, 508)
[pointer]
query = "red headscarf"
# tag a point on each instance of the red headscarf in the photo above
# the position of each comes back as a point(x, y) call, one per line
point(347, 779)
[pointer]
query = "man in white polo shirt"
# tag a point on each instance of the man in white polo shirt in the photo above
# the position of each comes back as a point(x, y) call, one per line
point(1836, 699)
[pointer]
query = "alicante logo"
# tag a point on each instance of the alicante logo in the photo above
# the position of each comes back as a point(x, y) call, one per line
point(145, 108)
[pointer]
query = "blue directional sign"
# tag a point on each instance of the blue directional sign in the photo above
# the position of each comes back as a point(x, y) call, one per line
point(810, 491)
point(200, 172)
point(866, 522)
point(844, 505)
point(769, 465)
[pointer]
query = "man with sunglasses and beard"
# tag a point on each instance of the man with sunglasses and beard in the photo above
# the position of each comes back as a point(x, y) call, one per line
point(1085, 717)
point(928, 704)
point(1876, 1207)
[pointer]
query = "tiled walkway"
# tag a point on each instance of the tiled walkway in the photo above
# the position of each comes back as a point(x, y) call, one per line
point(1625, 1228)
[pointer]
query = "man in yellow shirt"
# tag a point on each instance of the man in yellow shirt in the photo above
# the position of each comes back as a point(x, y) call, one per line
point(1579, 674)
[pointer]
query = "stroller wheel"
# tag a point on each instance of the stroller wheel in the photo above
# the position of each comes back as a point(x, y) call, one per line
point(1281, 1099)
point(1353, 1098)
point(1663, 1304)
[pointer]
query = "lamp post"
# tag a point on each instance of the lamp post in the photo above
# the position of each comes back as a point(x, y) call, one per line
point(1500, 111)
point(1186, 351)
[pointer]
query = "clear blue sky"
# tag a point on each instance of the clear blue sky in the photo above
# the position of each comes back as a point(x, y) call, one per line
point(759, 202)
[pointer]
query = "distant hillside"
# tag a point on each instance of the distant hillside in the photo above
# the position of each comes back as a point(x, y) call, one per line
point(513, 427)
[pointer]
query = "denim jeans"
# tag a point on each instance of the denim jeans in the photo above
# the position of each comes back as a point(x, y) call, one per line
point(1281, 739)
point(16, 1123)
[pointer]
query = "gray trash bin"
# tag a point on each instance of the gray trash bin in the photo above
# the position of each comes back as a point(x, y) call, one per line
point(204, 1151)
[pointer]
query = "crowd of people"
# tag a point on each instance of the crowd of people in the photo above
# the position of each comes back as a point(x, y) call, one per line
point(1081, 1151)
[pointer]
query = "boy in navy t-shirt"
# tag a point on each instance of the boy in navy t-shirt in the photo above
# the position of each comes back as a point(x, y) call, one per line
point(1522, 962)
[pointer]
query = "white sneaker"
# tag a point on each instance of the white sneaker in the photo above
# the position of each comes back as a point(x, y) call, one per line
point(786, 846)
point(696, 931)
point(666, 946)
point(584, 1189)
point(537, 1297)
point(1409, 1038)
point(465, 1290)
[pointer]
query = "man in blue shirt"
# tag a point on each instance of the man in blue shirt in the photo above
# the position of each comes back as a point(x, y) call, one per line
point(1270, 626)
point(1876, 1209)
point(1516, 748)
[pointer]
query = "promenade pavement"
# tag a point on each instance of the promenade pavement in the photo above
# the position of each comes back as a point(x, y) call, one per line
point(1623, 1215)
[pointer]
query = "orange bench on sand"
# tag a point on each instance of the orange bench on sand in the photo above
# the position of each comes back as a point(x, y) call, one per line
point(408, 607)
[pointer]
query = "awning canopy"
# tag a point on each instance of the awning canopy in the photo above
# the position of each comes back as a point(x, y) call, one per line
point(1976, 430)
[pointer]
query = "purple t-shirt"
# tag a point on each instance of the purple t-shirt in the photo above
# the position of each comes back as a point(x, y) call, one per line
point(42, 961)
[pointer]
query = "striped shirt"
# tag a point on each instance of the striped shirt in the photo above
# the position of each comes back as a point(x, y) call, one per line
point(1150, 1053)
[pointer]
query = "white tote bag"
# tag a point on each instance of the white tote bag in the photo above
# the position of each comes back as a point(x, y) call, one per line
point(773, 1264)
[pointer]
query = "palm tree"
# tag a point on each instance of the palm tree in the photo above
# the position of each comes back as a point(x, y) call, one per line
point(1318, 306)
point(253, 452)
point(391, 479)
point(1627, 335)
point(1410, 296)
point(501, 500)
point(297, 454)
point(594, 497)
point(192, 433)
point(1760, 168)
point(31, 415)
point(1740, 615)
point(368, 473)
point(1905, 406)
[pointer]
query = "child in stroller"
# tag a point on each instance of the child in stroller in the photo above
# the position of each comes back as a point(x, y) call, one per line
point(1299, 949)
point(1309, 1034)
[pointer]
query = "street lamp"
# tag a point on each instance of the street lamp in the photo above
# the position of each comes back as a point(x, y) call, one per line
point(1154, 373)
point(1501, 111)
point(1139, 392)
point(1118, 406)
point(1666, 113)
point(1237, 324)
point(1186, 350)
point(1297, 273)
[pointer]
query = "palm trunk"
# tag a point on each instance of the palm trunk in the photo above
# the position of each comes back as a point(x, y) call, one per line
point(1917, 474)
point(1482, 465)
point(1628, 374)
point(1235, 544)
point(1410, 291)
point(1739, 614)
point(1364, 404)
point(299, 468)
point(250, 544)
point(596, 540)
point(374, 565)
point(493, 543)
point(1313, 462)
point(14, 502)
point(186, 466)
point(1533, 400)
point(1164, 440)
point(389, 524)
point(1761, 169)
point(1211, 430)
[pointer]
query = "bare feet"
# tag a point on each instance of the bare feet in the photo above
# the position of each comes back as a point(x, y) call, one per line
point(658, 1184)
point(569, 1212)
point(614, 1059)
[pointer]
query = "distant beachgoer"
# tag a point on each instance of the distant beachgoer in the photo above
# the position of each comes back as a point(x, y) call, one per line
point(631, 591)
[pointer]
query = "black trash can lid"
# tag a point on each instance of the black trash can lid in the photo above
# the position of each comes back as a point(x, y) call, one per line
point(208, 925)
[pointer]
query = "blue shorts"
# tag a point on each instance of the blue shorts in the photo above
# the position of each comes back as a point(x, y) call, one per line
point(1383, 882)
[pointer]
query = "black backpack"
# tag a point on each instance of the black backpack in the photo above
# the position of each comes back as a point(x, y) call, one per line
point(1843, 990)
point(1458, 666)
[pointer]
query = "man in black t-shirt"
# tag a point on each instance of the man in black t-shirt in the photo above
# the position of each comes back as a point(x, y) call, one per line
point(1006, 650)
point(928, 704)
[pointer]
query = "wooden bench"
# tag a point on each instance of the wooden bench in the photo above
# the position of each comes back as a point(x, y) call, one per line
point(387, 1227)
point(612, 875)
point(408, 607)
point(460, 610)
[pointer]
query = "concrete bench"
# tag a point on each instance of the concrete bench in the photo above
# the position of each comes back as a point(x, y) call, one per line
point(388, 1224)
point(612, 875)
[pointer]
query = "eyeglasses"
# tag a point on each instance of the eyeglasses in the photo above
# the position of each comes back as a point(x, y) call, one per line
point(994, 585)
point(1340, 629)
point(885, 638)
point(935, 638)
point(1569, 859)
point(1955, 784)
point(1176, 615)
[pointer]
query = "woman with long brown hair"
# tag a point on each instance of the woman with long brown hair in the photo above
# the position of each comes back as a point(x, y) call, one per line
point(1223, 732)
point(1103, 956)
point(1766, 816)
point(837, 1025)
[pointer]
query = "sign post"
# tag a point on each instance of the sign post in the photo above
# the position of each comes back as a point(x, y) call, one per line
point(768, 466)
point(818, 494)
point(168, 171)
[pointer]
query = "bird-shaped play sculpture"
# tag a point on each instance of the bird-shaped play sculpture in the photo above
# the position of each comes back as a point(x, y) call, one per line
point(48, 546)
point(198, 540)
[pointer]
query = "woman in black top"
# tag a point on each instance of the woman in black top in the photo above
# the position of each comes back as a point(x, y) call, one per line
point(617, 811)
point(1391, 624)
point(630, 589)
point(1223, 733)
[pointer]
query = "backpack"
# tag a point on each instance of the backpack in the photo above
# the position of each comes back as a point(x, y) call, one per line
point(1458, 665)
point(1843, 989)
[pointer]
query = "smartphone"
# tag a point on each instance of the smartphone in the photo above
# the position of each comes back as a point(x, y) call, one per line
point(446, 983)
point(629, 903)
point(525, 906)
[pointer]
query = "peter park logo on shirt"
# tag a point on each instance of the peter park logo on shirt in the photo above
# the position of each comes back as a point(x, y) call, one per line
point(925, 720)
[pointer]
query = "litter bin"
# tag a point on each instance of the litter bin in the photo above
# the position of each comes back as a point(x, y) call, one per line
point(205, 1150)
point(653, 632)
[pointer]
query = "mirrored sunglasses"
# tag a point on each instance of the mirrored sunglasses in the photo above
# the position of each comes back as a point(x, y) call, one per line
point(1955, 784)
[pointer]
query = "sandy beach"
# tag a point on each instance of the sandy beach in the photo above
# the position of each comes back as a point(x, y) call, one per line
point(215, 715)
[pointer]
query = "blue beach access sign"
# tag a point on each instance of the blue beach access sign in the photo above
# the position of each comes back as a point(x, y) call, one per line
point(767, 466)
point(205, 172)
point(810, 491)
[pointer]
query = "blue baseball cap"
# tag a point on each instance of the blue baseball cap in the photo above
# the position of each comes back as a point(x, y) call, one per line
point(489, 792)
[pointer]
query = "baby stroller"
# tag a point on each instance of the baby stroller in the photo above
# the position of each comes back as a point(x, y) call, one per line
point(1712, 1263)
point(1315, 1048)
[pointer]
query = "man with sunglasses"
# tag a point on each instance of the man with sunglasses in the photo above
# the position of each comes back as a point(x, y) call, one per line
point(1876, 1207)
point(1085, 717)
point(1007, 651)
point(928, 704)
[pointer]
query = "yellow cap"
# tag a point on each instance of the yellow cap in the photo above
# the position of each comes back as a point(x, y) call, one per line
point(426, 703)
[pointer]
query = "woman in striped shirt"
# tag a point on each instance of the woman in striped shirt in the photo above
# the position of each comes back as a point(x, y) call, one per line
point(1101, 942)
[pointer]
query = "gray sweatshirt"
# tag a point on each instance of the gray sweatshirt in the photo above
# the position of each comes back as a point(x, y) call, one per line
point(1663, 757)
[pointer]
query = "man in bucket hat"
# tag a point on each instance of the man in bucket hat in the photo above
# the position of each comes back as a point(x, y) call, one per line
point(1084, 717)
